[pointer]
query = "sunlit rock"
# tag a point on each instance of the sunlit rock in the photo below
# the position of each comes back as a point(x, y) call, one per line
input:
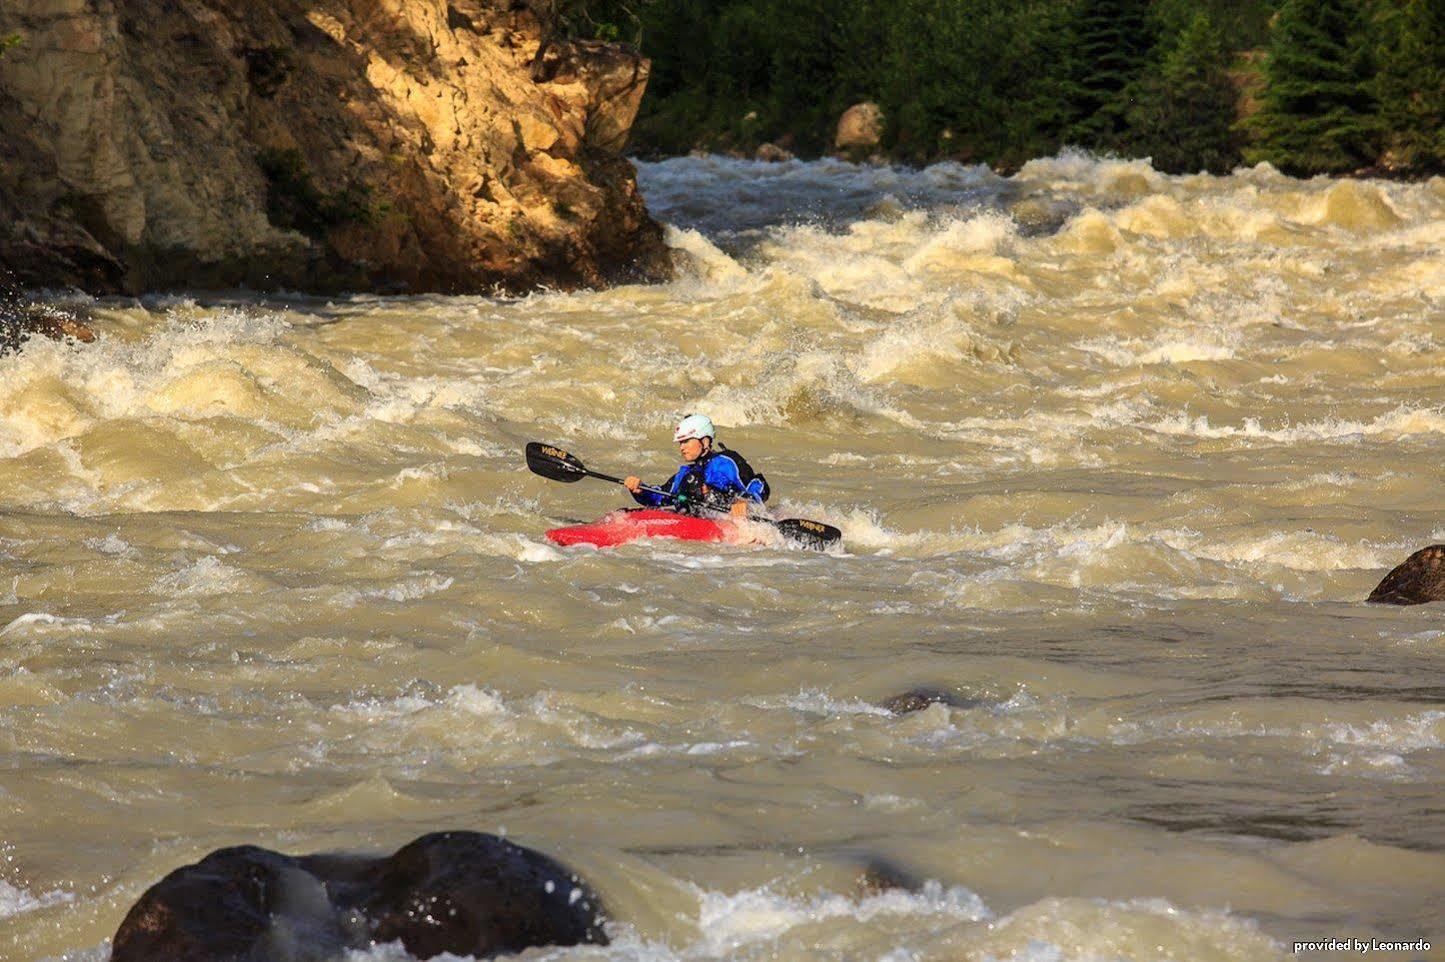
point(463, 893)
point(346, 145)
point(1418, 579)
point(861, 126)
point(772, 154)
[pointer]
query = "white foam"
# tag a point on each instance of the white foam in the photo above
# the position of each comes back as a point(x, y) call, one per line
point(818, 702)
point(205, 576)
point(1297, 550)
point(1127, 930)
point(1382, 745)
point(1403, 420)
point(413, 589)
point(762, 923)
point(1423, 731)
point(112, 544)
point(701, 258)
point(730, 922)
point(35, 619)
point(1177, 350)
point(16, 901)
point(466, 699)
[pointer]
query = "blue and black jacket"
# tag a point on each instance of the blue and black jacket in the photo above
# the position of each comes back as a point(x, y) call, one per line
point(716, 479)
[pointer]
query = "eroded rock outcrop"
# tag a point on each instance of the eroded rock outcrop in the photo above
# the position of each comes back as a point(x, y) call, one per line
point(321, 145)
point(465, 893)
point(1417, 580)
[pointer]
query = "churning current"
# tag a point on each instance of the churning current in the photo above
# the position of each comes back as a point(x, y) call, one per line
point(1116, 457)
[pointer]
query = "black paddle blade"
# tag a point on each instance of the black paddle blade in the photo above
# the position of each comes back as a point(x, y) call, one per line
point(813, 534)
point(554, 463)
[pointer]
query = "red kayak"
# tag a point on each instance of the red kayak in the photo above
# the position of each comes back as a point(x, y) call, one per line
point(629, 524)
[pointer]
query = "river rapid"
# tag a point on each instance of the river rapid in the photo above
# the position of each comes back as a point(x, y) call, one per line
point(1116, 456)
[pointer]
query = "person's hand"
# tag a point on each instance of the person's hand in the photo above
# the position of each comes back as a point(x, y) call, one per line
point(739, 510)
point(632, 483)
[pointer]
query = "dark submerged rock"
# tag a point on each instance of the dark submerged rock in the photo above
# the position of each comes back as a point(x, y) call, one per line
point(1417, 580)
point(465, 893)
point(236, 903)
point(877, 875)
point(473, 894)
point(917, 699)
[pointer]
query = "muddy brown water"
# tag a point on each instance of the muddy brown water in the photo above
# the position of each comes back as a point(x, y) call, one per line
point(1116, 457)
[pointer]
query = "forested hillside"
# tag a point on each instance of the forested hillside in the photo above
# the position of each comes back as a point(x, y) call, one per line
point(1313, 86)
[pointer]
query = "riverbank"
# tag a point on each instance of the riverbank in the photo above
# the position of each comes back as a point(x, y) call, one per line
point(1324, 86)
point(465, 147)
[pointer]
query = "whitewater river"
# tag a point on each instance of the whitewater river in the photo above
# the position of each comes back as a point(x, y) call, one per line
point(1116, 457)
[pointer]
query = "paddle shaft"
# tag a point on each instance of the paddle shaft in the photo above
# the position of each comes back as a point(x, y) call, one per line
point(642, 487)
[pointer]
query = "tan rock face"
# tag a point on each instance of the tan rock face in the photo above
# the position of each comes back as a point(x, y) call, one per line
point(316, 145)
point(860, 126)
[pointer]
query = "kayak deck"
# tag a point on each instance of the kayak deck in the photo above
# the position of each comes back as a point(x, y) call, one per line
point(632, 524)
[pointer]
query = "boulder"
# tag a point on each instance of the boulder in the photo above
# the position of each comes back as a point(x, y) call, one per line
point(860, 127)
point(772, 154)
point(20, 318)
point(54, 324)
point(462, 146)
point(1417, 580)
point(463, 893)
point(877, 874)
point(917, 699)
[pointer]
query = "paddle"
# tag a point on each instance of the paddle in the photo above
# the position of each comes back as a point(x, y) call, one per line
point(558, 465)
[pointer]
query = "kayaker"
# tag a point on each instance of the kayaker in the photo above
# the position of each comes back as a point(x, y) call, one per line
point(711, 474)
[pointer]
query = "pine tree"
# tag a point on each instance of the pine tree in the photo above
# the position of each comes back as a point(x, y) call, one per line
point(1183, 114)
point(1110, 46)
point(1411, 85)
point(1319, 114)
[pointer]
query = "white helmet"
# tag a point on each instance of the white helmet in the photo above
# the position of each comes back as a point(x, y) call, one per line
point(697, 426)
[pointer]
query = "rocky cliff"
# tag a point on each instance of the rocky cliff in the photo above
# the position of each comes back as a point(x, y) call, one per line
point(316, 145)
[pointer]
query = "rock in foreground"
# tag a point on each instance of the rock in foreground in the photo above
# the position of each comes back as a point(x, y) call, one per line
point(1418, 579)
point(465, 893)
point(459, 146)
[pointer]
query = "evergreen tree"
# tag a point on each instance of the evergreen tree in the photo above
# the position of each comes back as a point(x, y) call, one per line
point(1110, 46)
point(948, 68)
point(1411, 84)
point(1184, 112)
point(1002, 81)
point(1318, 113)
point(1041, 87)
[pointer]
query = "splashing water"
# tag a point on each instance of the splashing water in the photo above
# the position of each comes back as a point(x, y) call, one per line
point(1115, 454)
